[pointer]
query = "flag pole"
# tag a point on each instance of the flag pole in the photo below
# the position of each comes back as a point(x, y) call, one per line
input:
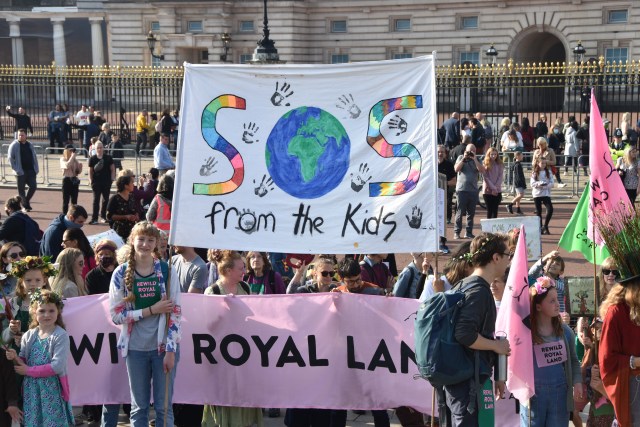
point(433, 389)
point(165, 406)
point(595, 290)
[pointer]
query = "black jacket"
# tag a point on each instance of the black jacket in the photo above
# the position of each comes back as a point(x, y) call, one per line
point(51, 243)
point(22, 121)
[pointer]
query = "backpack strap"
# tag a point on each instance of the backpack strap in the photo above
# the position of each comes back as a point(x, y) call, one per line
point(216, 289)
point(272, 281)
point(245, 287)
point(408, 289)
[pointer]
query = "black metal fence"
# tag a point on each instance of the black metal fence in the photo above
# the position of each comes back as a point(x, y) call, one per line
point(504, 90)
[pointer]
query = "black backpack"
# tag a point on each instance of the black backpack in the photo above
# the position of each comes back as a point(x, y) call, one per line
point(216, 288)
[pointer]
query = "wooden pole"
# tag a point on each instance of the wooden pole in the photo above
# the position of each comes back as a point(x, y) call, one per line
point(433, 389)
point(596, 291)
point(166, 331)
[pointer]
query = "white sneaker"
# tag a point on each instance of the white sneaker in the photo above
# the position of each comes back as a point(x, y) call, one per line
point(564, 173)
point(562, 185)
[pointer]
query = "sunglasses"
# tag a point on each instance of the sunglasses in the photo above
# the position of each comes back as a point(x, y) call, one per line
point(326, 273)
point(16, 255)
point(606, 272)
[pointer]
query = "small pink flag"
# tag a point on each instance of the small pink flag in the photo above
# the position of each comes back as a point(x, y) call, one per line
point(513, 320)
point(607, 190)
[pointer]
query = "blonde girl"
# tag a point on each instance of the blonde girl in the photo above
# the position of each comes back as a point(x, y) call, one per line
point(492, 182)
point(558, 379)
point(43, 363)
point(31, 273)
point(69, 282)
point(145, 300)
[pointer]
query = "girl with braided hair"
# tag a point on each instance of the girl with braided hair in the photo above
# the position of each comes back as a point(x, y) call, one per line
point(146, 306)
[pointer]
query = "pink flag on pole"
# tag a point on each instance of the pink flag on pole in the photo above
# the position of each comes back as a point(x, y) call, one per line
point(513, 320)
point(607, 191)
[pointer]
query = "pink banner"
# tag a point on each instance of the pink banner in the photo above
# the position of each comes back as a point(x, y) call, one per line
point(607, 190)
point(342, 351)
point(515, 309)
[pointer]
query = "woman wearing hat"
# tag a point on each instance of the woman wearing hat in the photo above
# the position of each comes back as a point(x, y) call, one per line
point(619, 353)
point(71, 168)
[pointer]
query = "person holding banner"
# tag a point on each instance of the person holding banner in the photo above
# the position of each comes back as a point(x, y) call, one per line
point(145, 300)
point(231, 271)
point(10, 252)
point(260, 276)
point(99, 278)
point(322, 280)
point(69, 283)
point(558, 377)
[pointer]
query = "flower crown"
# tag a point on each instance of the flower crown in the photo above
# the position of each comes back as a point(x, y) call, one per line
point(468, 257)
point(19, 268)
point(37, 298)
point(543, 284)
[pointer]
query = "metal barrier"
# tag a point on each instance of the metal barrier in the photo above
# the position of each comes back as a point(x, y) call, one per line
point(6, 173)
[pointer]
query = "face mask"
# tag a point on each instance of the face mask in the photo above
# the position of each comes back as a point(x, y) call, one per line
point(106, 261)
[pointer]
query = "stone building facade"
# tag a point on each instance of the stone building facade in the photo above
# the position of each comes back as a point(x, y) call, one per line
point(85, 32)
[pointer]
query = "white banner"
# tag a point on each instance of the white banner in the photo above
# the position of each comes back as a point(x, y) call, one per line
point(308, 158)
point(531, 226)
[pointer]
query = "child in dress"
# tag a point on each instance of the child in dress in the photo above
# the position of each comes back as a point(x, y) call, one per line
point(32, 273)
point(558, 380)
point(43, 363)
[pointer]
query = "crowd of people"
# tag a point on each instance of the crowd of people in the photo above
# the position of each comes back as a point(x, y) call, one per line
point(500, 169)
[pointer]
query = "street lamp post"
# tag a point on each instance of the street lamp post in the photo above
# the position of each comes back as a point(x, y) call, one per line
point(266, 52)
point(151, 42)
point(578, 52)
point(226, 41)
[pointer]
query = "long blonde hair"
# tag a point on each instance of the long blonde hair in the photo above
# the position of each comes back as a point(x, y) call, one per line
point(66, 261)
point(487, 158)
point(629, 293)
point(144, 228)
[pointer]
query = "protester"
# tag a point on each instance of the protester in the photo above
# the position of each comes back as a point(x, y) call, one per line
point(24, 162)
point(467, 167)
point(628, 166)
point(497, 289)
point(492, 182)
point(572, 147)
point(98, 279)
point(10, 252)
point(445, 167)
point(475, 325)
point(19, 227)
point(71, 168)
point(231, 270)
point(452, 131)
point(102, 173)
point(51, 243)
point(375, 271)
point(191, 269)
point(122, 213)
point(160, 208)
point(69, 282)
point(458, 267)
point(407, 284)
point(541, 182)
point(552, 265)
point(75, 238)
point(9, 395)
point(43, 362)
point(142, 131)
point(557, 380)
point(31, 273)
point(143, 317)
point(260, 276)
point(152, 182)
point(321, 280)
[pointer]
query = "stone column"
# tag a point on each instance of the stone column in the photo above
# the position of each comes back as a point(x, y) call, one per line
point(17, 52)
point(97, 49)
point(97, 53)
point(59, 48)
point(16, 41)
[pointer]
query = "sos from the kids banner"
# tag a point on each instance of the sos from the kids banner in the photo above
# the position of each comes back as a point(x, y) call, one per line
point(308, 158)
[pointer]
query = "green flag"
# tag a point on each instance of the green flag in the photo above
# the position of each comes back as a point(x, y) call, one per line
point(575, 236)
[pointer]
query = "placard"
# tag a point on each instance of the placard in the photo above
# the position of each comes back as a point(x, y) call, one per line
point(531, 226)
point(580, 294)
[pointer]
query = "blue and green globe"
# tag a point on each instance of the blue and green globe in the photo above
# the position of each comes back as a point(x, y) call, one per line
point(307, 152)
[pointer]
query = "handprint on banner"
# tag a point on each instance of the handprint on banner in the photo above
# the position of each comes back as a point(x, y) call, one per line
point(416, 218)
point(250, 129)
point(247, 221)
point(264, 187)
point(281, 94)
point(208, 167)
point(358, 181)
point(346, 102)
point(398, 123)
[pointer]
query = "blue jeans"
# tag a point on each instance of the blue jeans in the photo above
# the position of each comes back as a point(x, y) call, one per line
point(144, 369)
point(110, 415)
point(548, 407)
